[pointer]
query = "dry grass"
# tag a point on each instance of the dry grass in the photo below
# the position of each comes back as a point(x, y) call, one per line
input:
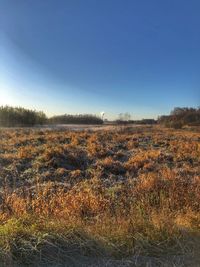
point(67, 197)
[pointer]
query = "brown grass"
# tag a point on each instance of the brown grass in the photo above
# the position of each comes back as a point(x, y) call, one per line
point(104, 194)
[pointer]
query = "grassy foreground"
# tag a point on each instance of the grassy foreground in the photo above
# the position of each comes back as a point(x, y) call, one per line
point(95, 198)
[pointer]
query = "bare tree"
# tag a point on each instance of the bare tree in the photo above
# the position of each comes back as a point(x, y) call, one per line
point(124, 116)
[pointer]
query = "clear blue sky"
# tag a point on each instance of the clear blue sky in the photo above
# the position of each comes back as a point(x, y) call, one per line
point(87, 56)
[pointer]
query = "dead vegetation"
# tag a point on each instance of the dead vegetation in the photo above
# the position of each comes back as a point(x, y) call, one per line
point(67, 197)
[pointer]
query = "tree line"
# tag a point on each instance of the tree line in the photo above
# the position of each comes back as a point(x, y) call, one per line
point(180, 117)
point(125, 118)
point(75, 119)
point(19, 117)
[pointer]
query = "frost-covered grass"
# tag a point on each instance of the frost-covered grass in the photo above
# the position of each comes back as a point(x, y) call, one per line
point(67, 197)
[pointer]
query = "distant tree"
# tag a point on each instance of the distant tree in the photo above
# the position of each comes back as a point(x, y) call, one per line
point(124, 116)
point(75, 119)
point(181, 116)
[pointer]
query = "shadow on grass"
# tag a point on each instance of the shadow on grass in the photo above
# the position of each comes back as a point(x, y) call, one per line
point(25, 243)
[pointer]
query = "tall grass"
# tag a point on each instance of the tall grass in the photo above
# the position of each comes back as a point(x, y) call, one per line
point(107, 194)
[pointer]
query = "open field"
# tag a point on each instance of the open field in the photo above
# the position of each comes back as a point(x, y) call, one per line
point(74, 127)
point(125, 196)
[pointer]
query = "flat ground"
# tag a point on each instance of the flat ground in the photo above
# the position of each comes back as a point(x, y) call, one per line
point(118, 196)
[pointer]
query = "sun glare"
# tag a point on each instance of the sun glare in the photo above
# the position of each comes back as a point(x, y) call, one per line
point(6, 97)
